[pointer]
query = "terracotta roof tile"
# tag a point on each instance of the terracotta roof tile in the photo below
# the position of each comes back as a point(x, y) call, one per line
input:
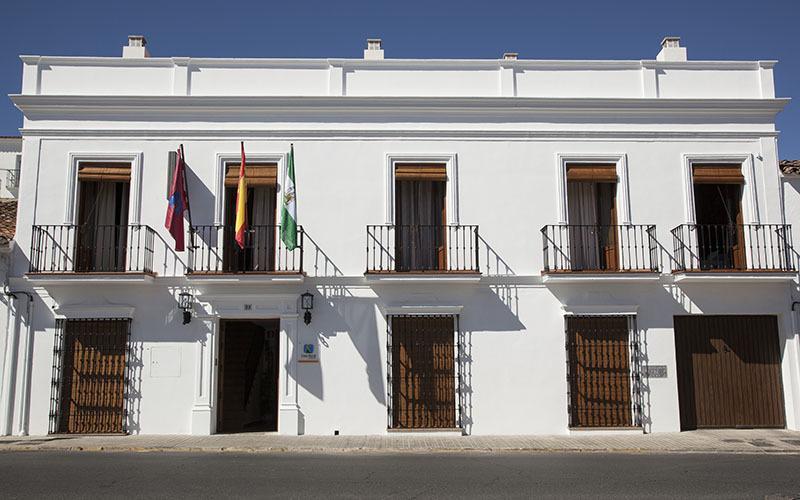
point(790, 167)
point(8, 218)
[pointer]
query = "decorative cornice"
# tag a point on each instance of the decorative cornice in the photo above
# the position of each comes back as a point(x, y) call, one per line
point(388, 109)
point(389, 63)
point(346, 134)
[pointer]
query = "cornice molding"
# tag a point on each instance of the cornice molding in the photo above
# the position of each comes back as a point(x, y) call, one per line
point(280, 108)
point(389, 63)
point(347, 134)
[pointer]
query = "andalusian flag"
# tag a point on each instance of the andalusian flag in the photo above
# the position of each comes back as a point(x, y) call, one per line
point(241, 204)
point(289, 209)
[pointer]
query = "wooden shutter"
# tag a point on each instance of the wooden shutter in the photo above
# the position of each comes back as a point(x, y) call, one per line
point(423, 372)
point(258, 174)
point(93, 376)
point(599, 371)
point(717, 174)
point(420, 172)
point(579, 172)
point(106, 172)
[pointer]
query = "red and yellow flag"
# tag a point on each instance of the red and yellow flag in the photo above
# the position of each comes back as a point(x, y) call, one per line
point(241, 204)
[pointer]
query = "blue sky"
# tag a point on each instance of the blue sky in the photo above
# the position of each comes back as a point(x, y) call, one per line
point(563, 29)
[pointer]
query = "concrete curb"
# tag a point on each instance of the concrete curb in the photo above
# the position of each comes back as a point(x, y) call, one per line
point(387, 450)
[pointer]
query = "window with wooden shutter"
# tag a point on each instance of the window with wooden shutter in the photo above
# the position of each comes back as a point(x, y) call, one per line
point(717, 174)
point(436, 172)
point(104, 172)
point(258, 174)
point(580, 172)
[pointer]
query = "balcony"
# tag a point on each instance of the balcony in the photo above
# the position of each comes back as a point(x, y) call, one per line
point(213, 251)
point(733, 248)
point(414, 249)
point(92, 249)
point(591, 249)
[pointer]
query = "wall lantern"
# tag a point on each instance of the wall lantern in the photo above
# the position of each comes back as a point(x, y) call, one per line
point(307, 303)
point(185, 305)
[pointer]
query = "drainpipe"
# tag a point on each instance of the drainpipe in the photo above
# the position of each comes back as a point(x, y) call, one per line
point(8, 371)
point(26, 371)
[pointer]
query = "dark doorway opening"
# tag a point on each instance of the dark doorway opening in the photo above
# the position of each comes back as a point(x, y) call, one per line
point(720, 233)
point(248, 376)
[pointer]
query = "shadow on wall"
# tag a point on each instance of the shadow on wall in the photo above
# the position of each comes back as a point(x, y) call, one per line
point(341, 313)
point(202, 207)
point(316, 262)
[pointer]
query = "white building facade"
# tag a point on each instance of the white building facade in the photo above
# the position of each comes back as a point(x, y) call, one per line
point(492, 247)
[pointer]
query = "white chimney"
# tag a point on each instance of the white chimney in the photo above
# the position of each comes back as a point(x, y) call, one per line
point(671, 49)
point(136, 48)
point(374, 49)
point(510, 56)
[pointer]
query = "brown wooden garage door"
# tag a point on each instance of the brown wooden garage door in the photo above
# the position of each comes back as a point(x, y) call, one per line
point(92, 385)
point(599, 371)
point(729, 371)
point(423, 372)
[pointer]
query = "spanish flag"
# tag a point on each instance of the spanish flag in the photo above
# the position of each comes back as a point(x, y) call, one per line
point(241, 204)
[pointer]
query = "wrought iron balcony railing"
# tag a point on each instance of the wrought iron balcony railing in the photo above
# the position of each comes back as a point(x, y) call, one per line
point(213, 250)
point(91, 248)
point(733, 247)
point(600, 248)
point(422, 248)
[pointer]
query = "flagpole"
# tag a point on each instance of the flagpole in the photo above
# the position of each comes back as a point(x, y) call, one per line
point(188, 209)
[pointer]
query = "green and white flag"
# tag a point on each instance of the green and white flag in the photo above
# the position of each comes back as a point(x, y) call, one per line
point(289, 209)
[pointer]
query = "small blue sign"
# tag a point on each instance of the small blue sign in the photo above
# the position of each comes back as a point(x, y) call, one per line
point(308, 348)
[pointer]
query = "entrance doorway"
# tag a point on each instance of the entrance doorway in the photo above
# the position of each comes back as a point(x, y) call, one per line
point(248, 376)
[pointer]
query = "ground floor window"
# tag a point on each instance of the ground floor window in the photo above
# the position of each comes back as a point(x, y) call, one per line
point(423, 372)
point(602, 371)
point(90, 379)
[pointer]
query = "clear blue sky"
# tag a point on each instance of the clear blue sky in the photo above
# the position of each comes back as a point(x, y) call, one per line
point(559, 29)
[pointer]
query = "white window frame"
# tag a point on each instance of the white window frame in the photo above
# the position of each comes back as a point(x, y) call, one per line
point(134, 197)
point(219, 179)
point(450, 161)
point(620, 160)
point(750, 209)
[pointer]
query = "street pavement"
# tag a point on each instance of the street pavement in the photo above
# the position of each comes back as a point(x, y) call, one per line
point(62, 474)
point(705, 441)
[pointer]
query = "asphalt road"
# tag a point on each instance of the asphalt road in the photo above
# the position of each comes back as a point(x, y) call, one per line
point(154, 475)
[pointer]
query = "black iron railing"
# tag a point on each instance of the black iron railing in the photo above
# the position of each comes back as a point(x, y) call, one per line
point(733, 247)
point(600, 248)
point(413, 248)
point(91, 248)
point(213, 249)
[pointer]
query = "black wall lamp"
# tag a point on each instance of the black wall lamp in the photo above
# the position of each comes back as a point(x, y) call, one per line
point(185, 305)
point(307, 303)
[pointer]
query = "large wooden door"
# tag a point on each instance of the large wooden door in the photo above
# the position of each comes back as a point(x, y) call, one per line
point(92, 396)
point(248, 376)
point(599, 371)
point(729, 371)
point(423, 372)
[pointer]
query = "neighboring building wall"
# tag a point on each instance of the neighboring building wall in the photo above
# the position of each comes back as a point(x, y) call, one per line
point(10, 162)
point(509, 152)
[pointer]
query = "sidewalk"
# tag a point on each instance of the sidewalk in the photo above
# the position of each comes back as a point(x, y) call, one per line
point(725, 441)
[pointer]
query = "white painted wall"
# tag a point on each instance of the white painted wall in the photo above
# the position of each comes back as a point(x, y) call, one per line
point(10, 162)
point(507, 152)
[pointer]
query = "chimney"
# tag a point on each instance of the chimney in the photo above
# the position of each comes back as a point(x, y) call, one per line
point(374, 49)
point(136, 48)
point(671, 49)
point(510, 56)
